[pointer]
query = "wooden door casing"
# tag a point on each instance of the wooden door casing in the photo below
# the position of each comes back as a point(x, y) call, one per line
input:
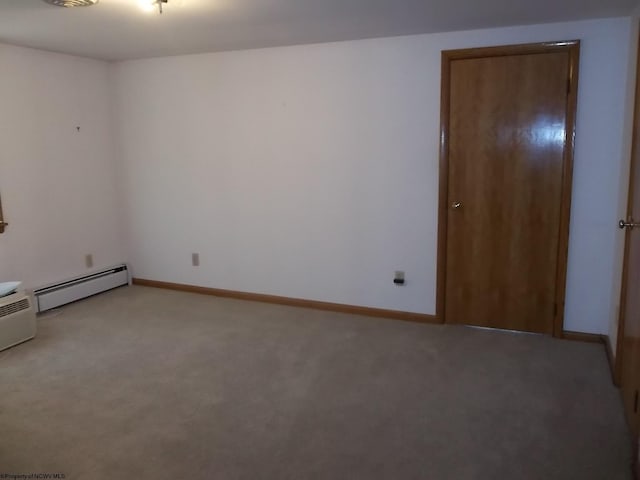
point(508, 116)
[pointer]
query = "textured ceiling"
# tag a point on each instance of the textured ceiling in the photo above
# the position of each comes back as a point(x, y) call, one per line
point(119, 29)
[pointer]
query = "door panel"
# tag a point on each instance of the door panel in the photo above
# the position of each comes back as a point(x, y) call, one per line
point(628, 356)
point(3, 224)
point(6, 268)
point(507, 144)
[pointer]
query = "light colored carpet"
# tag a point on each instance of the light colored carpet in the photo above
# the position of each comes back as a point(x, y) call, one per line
point(152, 384)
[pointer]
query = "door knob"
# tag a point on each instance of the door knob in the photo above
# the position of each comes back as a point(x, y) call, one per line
point(630, 224)
point(456, 205)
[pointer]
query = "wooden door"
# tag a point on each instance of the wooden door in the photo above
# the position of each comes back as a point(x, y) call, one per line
point(508, 129)
point(628, 347)
point(3, 224)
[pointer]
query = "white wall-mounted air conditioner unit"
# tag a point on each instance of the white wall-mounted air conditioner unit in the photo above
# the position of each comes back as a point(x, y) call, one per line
point(17, 320)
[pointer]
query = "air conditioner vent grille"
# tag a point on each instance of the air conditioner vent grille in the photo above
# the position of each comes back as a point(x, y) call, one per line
point(15, 307)
point(71, 3)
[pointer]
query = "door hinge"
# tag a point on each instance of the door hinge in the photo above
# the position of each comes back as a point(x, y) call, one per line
point(635, 402)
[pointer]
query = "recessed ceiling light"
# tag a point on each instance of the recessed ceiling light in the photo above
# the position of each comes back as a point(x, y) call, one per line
point(71, 3)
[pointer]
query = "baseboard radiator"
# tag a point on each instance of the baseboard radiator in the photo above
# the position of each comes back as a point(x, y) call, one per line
point(78, 288)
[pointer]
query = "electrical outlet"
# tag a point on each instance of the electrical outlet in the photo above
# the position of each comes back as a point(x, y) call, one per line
point(195, 259)
point(88, 260)
point(398, 277)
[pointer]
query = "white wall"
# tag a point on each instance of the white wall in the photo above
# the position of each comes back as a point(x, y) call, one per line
point(312, 171)
point(57, 184)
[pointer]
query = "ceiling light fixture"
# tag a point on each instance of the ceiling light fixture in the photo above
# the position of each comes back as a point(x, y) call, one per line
point(149, 5)
point(71, 3)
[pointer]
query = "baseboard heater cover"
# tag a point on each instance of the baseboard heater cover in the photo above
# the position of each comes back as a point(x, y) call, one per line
point(72, 290)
